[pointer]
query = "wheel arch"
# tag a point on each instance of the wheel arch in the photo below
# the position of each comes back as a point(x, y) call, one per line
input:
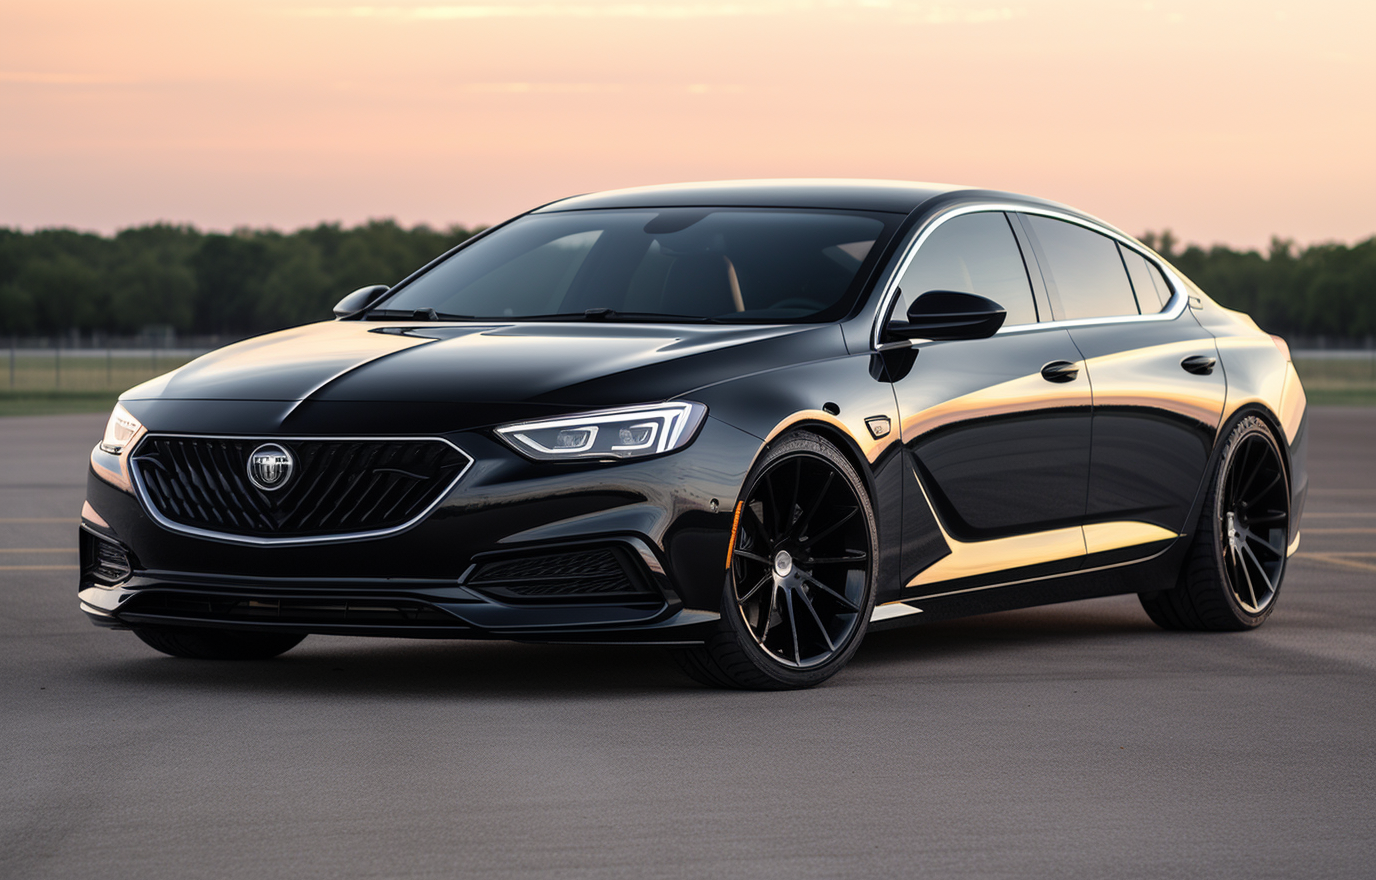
point(1273, 423)
point(1225, 429)
point(882, 483)
point(832, 429)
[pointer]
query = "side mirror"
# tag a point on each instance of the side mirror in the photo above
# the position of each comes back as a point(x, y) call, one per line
point(944, 314)
point(359, 300)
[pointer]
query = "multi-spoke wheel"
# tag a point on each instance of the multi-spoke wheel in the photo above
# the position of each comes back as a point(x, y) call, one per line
point(799, 592)
point(1234, 570)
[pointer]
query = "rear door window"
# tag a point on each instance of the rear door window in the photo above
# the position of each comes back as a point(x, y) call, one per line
point(1083, 270)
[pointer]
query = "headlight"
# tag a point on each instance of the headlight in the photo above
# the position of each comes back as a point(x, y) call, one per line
point(609, 433)
point(119, 430)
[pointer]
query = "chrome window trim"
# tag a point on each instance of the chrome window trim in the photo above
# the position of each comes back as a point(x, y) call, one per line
point(156, 515)
point(1174, 307)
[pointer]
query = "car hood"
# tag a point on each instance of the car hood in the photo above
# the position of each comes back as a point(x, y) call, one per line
point(510, 367)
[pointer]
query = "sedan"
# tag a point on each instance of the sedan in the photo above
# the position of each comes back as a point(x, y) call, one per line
point(747, 421)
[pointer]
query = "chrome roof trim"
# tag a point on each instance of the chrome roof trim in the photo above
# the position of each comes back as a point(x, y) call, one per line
point(156, 515)
point(1178, 301)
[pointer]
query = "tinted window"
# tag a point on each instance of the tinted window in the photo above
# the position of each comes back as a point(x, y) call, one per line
point(1147, 283)
point(1163, 290)
point(972, 253)
point(1084, 270)
point(725, 264)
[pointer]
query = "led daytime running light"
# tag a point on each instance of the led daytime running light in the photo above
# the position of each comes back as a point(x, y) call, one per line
point(607, 434)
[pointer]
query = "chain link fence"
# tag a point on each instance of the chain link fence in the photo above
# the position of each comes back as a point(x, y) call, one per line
point(43, 365)
point(110, 365)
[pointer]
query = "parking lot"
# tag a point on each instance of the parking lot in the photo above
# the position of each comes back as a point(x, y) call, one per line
point(1070, 741)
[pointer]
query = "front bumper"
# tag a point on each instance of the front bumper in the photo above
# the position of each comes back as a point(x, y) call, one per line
point(628, 553)
point(623, 596)
point(398, 611)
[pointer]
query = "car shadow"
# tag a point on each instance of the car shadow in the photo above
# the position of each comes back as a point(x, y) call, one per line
point(1072, 623)
point(400, 668)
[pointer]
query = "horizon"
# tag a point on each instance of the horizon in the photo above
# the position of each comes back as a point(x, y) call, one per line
point(1178, 244)
point(260, 115)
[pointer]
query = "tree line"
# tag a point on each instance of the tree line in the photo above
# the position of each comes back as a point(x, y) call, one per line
point(54, 281)
point(1322, 290)
point(57, 281)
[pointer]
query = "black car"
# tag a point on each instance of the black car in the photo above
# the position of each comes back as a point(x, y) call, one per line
point(748, 421)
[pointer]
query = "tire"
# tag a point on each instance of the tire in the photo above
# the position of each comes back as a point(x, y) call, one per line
point(216, 644)
point(799, 592)
point(1233, 571)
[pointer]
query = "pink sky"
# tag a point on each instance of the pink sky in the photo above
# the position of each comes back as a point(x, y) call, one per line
point(1224, 121)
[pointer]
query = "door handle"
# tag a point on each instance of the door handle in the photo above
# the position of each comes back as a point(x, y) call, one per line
point(1060, 371)
point(1200, 364)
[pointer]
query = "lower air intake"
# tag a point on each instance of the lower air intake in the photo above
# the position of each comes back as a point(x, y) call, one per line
point(102, 561)
point(598, 574)
point(324, 610)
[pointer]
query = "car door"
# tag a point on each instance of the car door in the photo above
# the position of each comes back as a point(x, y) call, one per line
point(1158, 393)
point(997, 430)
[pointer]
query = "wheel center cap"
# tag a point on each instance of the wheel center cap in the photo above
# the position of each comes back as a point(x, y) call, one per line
point(783, 564)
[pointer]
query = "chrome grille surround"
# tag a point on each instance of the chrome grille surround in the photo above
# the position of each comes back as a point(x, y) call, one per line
point(196, 484)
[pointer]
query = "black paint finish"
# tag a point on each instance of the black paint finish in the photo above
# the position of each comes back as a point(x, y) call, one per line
point(1039, 427)
point(1154, 422)
point(1001, 450)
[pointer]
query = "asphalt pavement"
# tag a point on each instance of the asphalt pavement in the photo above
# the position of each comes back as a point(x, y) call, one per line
point(1069, 741)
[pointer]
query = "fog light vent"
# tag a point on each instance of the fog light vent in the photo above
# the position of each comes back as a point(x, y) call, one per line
point(107, 563)
point(600, 574)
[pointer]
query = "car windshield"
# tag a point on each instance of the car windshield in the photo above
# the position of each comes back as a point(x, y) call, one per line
point(659, 264)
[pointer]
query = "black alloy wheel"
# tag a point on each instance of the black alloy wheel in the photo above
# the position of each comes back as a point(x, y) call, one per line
point(1233, 572)
point(799, 592)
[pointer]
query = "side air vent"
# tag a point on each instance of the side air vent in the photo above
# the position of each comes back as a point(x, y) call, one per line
point(596, 574)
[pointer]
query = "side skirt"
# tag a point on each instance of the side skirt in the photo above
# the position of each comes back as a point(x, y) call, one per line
point(1156, 572)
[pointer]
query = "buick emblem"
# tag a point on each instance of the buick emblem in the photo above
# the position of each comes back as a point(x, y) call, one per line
point(269, 467)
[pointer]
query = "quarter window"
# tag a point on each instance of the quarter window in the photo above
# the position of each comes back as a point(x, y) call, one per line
point(1147, 283)
point(1083, 270)
point(972, 253)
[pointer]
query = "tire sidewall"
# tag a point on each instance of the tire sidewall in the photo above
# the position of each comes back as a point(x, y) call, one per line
point(805, 443)
point(1247, 426)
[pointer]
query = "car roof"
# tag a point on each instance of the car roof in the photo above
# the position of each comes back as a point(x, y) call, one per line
point(895, 196)
point(856, 195)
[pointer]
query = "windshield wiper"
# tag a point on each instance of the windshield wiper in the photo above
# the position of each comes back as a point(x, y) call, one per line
point(414, 315)
point(601, 314)
point(604, 314)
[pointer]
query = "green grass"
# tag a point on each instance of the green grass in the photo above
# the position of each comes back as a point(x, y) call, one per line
point(45, 383)
point(1340, 381)
point(44, 372)
point(55, 402)
point(1341, 396)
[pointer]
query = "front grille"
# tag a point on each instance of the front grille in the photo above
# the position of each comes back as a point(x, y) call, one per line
point(336, 486)
point(319, 611)
point(602, 574)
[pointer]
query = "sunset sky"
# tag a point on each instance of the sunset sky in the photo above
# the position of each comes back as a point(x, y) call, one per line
point(1226, 121)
